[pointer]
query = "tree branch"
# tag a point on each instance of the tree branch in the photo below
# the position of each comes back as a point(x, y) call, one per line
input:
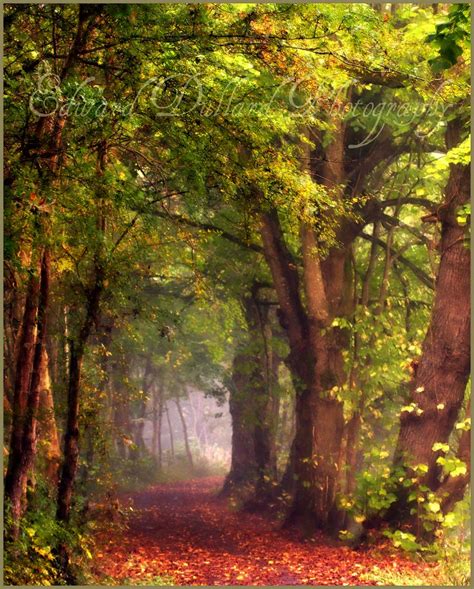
point(180, 219)
point(418, 272)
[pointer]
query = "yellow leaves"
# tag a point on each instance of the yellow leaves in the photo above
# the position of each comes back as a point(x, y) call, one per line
point(440, 447)
point(421, 468)
point(449, 520)
point(465, 424)
point(433, 506)
point(412, 408)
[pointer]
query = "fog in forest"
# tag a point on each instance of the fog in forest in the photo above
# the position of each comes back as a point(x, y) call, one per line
point(208, 428)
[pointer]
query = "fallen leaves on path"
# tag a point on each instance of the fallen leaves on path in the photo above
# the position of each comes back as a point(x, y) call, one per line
point(183, 531)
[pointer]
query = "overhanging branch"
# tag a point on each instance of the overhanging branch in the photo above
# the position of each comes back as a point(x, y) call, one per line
point(418, 272)
point(180, 219)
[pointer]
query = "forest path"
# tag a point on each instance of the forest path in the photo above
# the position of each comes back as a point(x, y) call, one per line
point(183, 531)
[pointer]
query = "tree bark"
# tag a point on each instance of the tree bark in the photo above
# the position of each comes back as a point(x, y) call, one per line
point(452, 489)
point(315, 359)
point(47, 429)
point(13, 489)
point(71, 437)
point(23, 444)
point(439, 384)
point(243, 470)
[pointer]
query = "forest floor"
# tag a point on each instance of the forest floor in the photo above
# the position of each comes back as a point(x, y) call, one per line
point(182, 534)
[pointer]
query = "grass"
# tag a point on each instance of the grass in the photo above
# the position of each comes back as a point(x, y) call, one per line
point(454, 571)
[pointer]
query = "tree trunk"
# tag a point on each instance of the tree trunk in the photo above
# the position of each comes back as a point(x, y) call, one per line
point(154, 421)
point(142, 403)
point(27, 392)
point(452, 489)
point(170, 430)
point(185, 433)
point(28, 373)
point(315, 359)
point(266, 428)
point(13, 489)
point(71, 437)
point(262, 395)
point(47, 429)
point(243, 470)
point(76, 355)
point(315, 450)
point(157, 416)
point(439, 383)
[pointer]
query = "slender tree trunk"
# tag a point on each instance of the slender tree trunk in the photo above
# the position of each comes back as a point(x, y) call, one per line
point(185, 433)
point(92, 420)
point(71, 438)
point(157, 425)
point(120, 409)
point(154, 417)
point(47, 429)
point(170, 430)
point(140, 425)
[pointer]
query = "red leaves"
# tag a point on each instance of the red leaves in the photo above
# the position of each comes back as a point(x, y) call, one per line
point(183, 531)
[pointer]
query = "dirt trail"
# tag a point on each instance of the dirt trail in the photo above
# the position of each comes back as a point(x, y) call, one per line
point(183, 531)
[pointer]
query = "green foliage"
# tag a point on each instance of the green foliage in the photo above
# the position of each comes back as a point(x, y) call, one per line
point(450, 36)
point(404, 540)
point(32, 559)
point(376, 487)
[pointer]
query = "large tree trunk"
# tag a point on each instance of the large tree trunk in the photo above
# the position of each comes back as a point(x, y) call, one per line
point(439, 384)
point(27, 390)
point(253, 405)
point(452, 489)
point(316, 347)
point(267, 412)
point(48, 134)
point(262, 396)
point(13, 489)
